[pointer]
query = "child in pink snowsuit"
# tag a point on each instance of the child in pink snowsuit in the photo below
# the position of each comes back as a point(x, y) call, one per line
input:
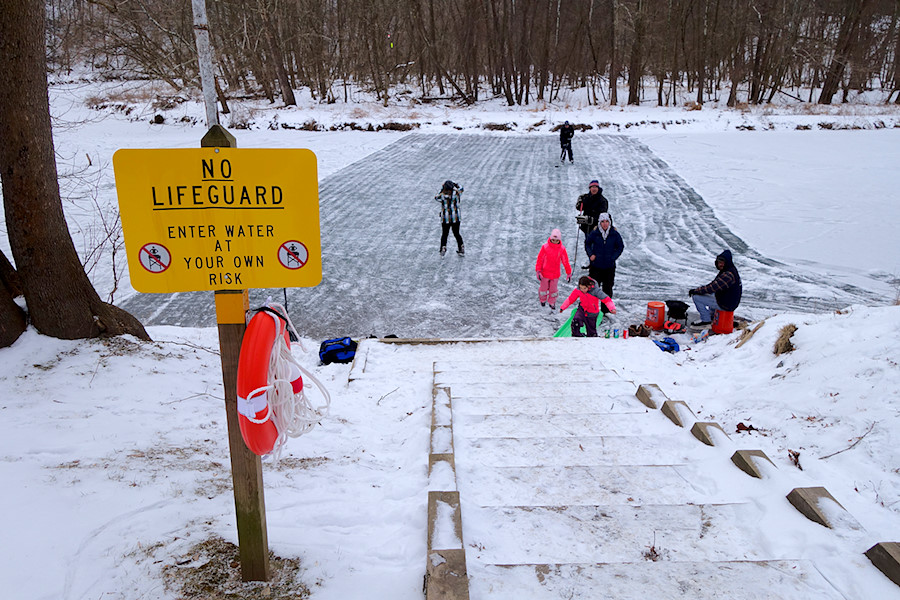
point(547, 267)
point(589, 296)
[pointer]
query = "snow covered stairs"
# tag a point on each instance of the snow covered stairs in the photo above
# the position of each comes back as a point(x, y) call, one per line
point(558, 481)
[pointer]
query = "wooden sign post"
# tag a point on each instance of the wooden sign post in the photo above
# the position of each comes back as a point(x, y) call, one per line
point(246, 467)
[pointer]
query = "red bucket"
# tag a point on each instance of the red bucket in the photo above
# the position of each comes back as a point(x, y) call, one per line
point(723, 321)
point(656, 315)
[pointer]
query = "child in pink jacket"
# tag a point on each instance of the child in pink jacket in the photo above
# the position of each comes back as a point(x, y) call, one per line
point(547, 267)
point(589, 296)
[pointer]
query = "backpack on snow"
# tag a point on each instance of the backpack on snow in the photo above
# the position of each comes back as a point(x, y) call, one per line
point(667, 345)
point(337, 350)
point(677, 310)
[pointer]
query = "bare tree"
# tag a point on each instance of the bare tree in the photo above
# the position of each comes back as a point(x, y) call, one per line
point(60, 298)
point(851, 19)
point(613, 53)
point(516, 49)
point(636, 60)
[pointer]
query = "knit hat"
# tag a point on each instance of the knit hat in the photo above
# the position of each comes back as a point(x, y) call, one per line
point(604, 217)
point(556, 235)
point(594, 182)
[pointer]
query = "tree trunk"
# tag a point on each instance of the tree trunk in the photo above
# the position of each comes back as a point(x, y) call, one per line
point(442, 73)
point(701, 54)
point(60, 298)
point(277, 56)
point(737, 64)
point(432, 35)
point(12, 318)
point(635, 64)
point(897, 64)
point(843, 49)
point(613, 58)
point(9, 277)
point(223, 99)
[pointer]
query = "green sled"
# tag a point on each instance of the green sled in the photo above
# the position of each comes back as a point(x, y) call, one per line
point(565, 329)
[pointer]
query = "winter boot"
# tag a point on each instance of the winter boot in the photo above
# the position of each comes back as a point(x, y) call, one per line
point(443, 250)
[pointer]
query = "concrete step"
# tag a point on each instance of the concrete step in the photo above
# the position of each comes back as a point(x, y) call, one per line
point(652, 580)
point(659, 449)
point(567, 485)
point(636, 423)
point(517, 373)
point(537, 387)
point(612, 533)
point(544, 399)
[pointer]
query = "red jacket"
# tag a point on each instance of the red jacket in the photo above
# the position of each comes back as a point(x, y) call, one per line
point(589, 302)
point(549, 259)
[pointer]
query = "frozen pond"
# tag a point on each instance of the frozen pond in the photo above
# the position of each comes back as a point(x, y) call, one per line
point(382, 273)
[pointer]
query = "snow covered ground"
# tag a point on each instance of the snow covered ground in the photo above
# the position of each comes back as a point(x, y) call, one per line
point(115, 453)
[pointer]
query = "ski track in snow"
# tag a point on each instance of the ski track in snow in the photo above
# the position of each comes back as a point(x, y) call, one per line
point(382, 273)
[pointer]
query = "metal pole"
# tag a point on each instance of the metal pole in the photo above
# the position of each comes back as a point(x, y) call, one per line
point(575, 251)
point(204, 55)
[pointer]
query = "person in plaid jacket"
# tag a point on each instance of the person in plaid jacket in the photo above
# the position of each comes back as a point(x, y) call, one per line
point(722, 293)
point(449, 199)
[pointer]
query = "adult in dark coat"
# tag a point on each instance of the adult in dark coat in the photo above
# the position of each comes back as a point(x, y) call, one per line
point(604, 246)
point(722, 293)
point(566, 133)
point(591, 206)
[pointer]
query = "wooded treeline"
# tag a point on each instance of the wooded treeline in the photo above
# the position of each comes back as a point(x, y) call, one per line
point(521, 50)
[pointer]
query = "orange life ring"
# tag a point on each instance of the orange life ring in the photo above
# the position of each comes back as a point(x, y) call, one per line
point(254, 390)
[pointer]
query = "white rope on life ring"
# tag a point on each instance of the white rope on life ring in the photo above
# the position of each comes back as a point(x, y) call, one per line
point(284, 395)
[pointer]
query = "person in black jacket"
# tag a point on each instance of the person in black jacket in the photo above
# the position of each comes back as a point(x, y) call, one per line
point(604, 246)
point(722, 293)
point(591, 206)
point(566, 133)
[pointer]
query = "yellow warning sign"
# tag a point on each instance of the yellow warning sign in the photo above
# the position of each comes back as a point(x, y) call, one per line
point(199, 219)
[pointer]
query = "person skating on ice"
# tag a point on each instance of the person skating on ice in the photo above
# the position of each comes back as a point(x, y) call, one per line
point(449, 198)
point(566, 133)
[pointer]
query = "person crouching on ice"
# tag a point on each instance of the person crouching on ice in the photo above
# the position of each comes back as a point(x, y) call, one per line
point(589, 296)
point(548, 272)
point(722, 293)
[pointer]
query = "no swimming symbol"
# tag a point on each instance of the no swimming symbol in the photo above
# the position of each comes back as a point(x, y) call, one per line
point(292, 254)
point(156, 258)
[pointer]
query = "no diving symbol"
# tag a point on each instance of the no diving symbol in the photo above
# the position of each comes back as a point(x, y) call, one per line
point(292, 254)
point(155, 257)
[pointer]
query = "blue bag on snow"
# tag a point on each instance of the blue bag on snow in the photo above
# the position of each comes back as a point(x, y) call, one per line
point(337, 350)
point(667, 345)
